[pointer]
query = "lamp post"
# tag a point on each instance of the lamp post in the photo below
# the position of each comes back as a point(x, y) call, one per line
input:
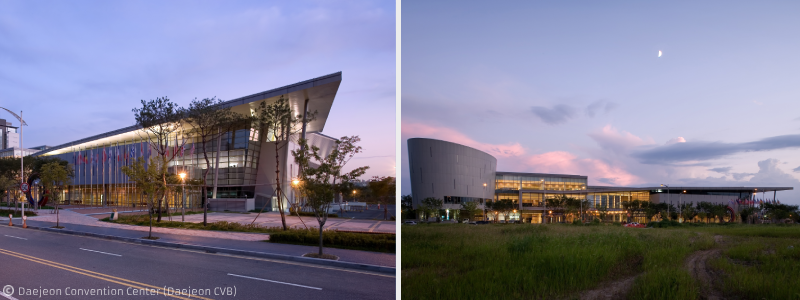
point(183, 195)
point(295, 182)
point(670, 200)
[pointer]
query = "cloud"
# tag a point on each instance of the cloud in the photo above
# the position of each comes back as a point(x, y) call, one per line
point(723, 170)
point(679, 139)
point(453, 136)
point(512, 157)
point(609, 138)
point(561, 162)
point(560, 113)
point(796, 169)
point(700, 150)
point(595, 107)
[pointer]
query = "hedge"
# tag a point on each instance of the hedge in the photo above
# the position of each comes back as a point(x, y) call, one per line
point(337, 239)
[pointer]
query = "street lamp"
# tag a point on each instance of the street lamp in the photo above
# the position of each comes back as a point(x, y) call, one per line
point(183, 195)
point(670, 200)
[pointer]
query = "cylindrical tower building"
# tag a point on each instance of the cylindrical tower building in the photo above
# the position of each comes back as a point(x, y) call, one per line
point(451, 172)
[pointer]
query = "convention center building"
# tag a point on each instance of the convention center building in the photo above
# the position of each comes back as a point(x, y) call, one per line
point(246, 154)
point(456, 173)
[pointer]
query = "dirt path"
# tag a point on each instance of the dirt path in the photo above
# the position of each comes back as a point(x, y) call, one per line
point(614, 290)
point(696, 263)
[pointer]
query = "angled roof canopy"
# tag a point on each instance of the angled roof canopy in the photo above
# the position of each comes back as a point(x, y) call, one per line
point(320, 93)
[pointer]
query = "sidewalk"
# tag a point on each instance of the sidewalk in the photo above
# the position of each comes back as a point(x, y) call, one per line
point(220, 239)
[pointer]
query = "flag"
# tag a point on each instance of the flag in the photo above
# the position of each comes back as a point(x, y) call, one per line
point(105, 157)
point(132, 151)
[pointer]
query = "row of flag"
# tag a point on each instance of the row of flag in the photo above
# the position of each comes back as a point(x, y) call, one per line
point(122, 153)
point(755, 201)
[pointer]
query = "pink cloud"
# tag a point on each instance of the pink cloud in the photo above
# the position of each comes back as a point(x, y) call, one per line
point(453, 136)
point(512, 156)
point(609, 138)
point(561, 162)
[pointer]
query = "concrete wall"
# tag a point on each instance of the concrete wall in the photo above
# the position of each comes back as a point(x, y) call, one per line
point(687, 198)
point(440, 169)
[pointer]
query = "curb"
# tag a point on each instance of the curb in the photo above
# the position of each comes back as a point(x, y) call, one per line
point(309, 260)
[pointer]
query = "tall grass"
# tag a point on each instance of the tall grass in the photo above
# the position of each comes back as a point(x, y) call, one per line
point(762, 268)
point(524, 261)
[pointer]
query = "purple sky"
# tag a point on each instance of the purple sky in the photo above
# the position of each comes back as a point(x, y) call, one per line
point(77, 68)
point(577, 88)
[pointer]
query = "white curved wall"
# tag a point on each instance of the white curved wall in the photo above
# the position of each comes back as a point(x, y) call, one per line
point(440, 169)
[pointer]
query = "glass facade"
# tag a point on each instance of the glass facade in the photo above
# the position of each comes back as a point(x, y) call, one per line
point(548, 183)
point(98, 179)
point(531, 200)
point(614, 200)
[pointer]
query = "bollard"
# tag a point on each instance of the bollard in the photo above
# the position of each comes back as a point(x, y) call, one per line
point(23, 221)
point(10, 217)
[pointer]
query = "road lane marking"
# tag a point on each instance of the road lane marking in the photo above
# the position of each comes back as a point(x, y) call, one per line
point(285, 262)
point(122, 281)
point(286, 283)
point(374, 226)
point(16, 237)
point(100, 252)
point(7, 296)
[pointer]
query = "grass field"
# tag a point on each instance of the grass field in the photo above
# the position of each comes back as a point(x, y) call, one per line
point(524, 261)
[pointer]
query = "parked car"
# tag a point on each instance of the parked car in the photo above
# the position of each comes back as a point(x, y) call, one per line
point(473, 223)
point(465, 221)
point(634, 224)
point(482, 222)
point(409, 223)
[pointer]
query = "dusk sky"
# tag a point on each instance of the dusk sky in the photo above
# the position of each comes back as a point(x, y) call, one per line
point(77, 68)
point(578, 88)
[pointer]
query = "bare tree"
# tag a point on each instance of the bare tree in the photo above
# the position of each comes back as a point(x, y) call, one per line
point(208, 119)
point(146, 179)
point(160, 119)
point(279, 123)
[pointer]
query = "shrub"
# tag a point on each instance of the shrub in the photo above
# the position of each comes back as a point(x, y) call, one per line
point(5, 212)
point(336, 239)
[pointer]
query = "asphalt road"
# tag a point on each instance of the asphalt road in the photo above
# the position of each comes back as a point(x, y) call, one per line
point(33, 261)
point(364, 257)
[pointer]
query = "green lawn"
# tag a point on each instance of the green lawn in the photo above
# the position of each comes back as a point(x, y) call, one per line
point(528, 261)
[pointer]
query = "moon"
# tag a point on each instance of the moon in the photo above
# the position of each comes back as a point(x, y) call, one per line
point(659, 53)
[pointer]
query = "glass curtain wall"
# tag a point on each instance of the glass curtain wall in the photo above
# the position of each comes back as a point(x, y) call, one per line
point(98, 179)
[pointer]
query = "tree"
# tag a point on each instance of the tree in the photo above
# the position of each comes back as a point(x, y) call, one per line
point(279, 123)
point(406, 206)
point(160, 119)
point(649, 209)
point(54, 178)
point(602, 211)
point(505, 207)
point(688, 212)
point(470, 208)
point(383, 189)
point(208, 118)
point(777, 211)
point(746, 213)
point(429, 206)
point(318, 183)
point(146, 178)
point(7, 184)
